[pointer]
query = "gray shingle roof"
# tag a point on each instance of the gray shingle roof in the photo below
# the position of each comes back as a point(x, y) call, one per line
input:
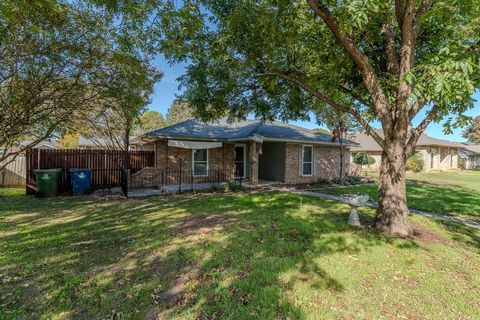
point(367, 143)
point(225, 131)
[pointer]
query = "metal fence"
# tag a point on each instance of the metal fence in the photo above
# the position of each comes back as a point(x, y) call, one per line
point(161, 182)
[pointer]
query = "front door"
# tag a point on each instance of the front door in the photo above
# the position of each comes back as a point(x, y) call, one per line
point(239, 161)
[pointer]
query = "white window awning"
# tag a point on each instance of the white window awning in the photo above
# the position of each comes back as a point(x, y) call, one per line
point(194, 144)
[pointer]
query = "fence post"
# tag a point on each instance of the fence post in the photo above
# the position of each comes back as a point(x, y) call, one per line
point(125, 182)
point(191, 179)
point(161, 182)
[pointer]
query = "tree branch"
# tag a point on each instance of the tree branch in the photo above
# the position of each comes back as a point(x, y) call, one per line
point(390, 47)
point(417, 132)
point(399, 11)
point(364, 123)
point(361, 60)
point(353, 95)
point(416, 108)
point(424, 7)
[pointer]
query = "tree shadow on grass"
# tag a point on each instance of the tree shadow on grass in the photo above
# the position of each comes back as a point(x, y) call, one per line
point(80, 259)
point(444, 199)
point(467, 235)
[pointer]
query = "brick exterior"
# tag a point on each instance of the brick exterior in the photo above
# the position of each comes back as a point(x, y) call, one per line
point(326, 163)
point(169, 158)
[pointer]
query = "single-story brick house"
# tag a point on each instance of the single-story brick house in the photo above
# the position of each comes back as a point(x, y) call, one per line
point(252, 149)
point(470, 153)
point(437, 154)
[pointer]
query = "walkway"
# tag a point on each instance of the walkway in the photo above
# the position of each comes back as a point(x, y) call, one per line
point(466, 222)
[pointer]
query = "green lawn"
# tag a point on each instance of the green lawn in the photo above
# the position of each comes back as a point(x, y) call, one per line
point(467, 179)
point(243, 256)
point(449, 193)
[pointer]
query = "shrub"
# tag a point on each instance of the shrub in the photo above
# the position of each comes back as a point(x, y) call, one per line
point(361, 158)
point(323, 181)
point(233, 186)
point(414, 163)
point(348, 180)
point(337, 180)
point(353, 179)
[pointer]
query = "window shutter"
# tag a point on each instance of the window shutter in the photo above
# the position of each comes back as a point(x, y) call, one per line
point(313, 160)
point(300, 155)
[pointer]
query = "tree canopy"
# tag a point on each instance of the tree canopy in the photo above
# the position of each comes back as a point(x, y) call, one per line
point(472, 132)
point(150, 120)
point(62, 62)
point(393, 61)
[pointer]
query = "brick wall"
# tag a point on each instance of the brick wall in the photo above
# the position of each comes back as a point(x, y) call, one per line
point(326, 163)
point(168, 158)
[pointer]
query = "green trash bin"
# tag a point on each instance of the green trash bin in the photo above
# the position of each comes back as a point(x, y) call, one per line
point(47, 181)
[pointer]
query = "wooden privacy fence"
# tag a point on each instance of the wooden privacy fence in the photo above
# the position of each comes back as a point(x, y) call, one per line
point(107, 165)
point(13, 174)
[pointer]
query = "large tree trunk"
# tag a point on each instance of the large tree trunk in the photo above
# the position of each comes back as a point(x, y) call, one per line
point(393, 210)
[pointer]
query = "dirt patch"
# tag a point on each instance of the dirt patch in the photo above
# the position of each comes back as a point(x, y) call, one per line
point(419, 234)
point(203, 224)
point(179, 292)
point(425, 236)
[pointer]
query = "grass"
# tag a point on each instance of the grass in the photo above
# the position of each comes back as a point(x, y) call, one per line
point(449, 193)
point(243, 256)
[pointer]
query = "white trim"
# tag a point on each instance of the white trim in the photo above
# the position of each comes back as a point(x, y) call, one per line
point(194, 144)
point(244, 146)
point(193, 164)
point(303, 162)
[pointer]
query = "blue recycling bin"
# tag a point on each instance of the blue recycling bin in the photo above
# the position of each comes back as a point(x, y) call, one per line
point(81, 181)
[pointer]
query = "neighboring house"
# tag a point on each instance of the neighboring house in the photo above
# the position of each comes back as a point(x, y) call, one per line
point(436, 154)
point(470, 154)
point(102, 144)
point(252, 149)
point(94, 144)
point(45, 144)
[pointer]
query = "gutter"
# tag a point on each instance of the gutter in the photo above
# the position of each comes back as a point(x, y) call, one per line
point(255, 137)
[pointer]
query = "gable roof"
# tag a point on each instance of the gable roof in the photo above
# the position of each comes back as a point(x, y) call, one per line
point(44, 144)
point(470, 148)
point(367, 143)
point(241, 130)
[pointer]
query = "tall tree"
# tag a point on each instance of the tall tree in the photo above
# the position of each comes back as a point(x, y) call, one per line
point(59, 60)
point(179, 111)
point(149, 121)
point(69, 140)
point(472, 132)
point(342, 126)
point(393, 61)
point(123, 101)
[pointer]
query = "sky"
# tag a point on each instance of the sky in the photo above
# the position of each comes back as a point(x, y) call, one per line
point(167, 89)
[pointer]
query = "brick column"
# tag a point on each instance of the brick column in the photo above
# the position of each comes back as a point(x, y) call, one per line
point(253, 161)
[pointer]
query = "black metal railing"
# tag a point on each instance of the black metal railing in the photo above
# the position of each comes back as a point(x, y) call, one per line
point(161, 182)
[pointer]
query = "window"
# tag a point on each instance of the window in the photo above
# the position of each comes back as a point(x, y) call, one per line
point(307, 160)
point(432, 160)
point(200, 162)
point(451, 160)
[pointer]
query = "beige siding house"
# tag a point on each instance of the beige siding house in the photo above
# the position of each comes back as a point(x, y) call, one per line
point(470, 155)
point(253, 150)
point(437, 154)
